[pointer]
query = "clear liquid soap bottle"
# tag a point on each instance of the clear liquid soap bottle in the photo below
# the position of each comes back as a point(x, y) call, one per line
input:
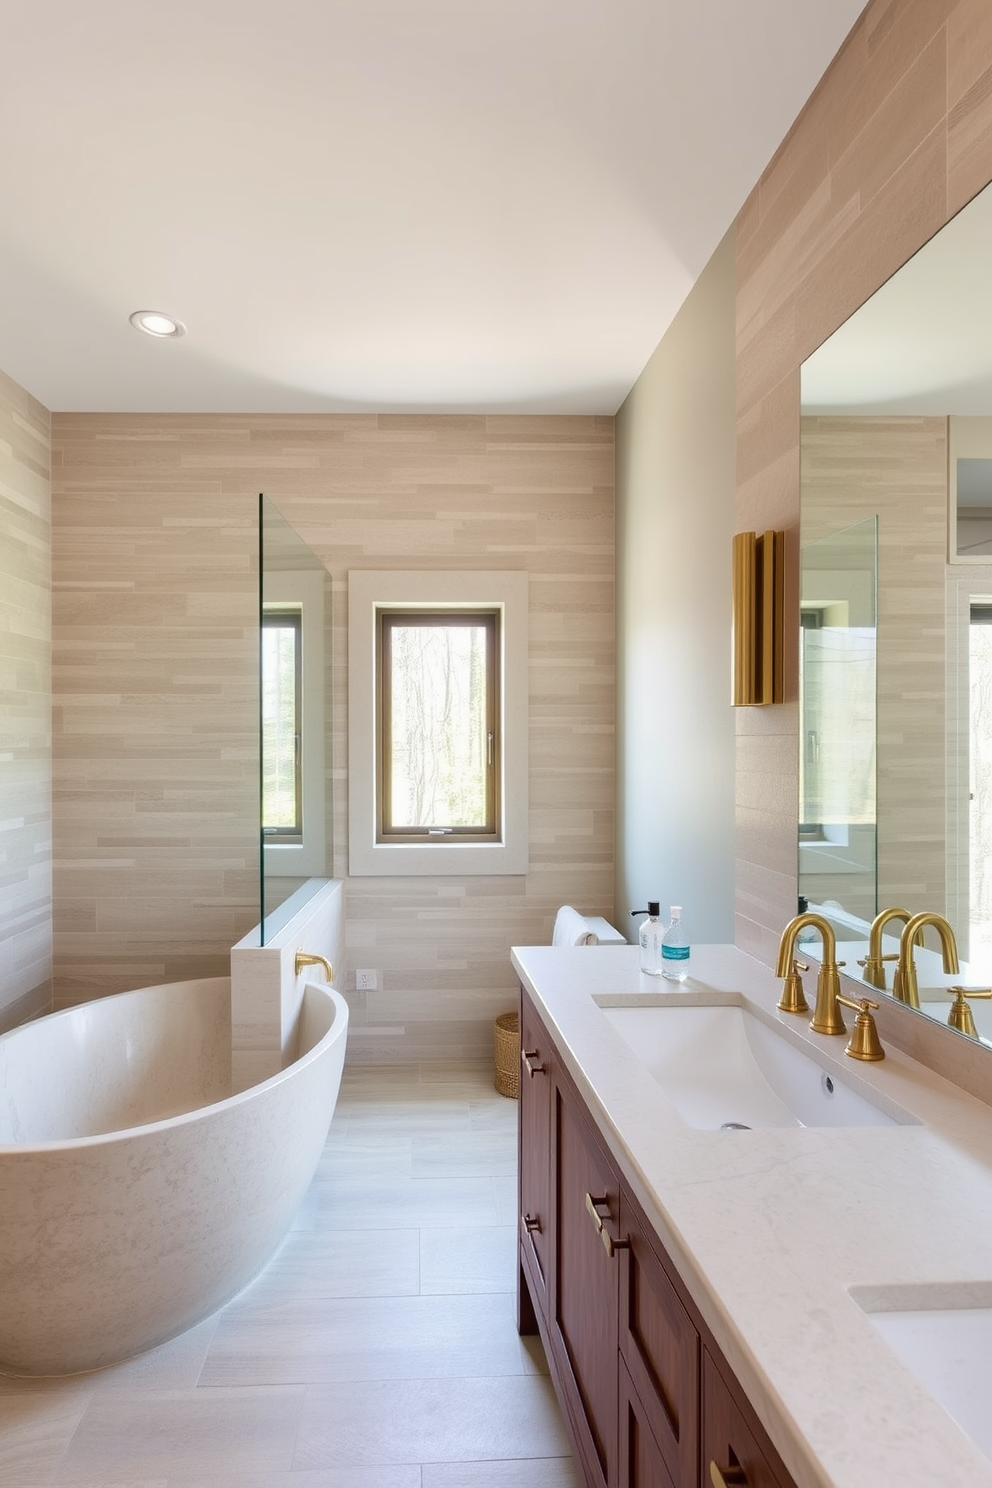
point(675, 948)
point(649, 939)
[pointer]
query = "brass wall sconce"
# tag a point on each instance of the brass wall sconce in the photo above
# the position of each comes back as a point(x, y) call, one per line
point(759, 563)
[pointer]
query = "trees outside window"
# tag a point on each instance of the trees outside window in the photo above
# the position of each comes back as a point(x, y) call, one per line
point(439, 729)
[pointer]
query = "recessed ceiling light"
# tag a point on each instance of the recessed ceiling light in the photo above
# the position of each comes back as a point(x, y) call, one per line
point(155, 323)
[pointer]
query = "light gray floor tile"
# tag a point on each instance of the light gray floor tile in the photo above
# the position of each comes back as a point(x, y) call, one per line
point(353, 1263)
point(505, 1194)
point(458, 1258)
point(467, 1156)
point(369, 1339)
point(406, 1203)
point(452, 1420)
point(183, 1433)
point(37, 1420)
point(406, 1476)
point(487, 1115)
point(532, 1472)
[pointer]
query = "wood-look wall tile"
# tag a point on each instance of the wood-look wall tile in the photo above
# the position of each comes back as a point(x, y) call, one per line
point(891, 143)
point(156, 734)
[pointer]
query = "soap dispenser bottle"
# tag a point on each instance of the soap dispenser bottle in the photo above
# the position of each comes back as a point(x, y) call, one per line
point(649, 938)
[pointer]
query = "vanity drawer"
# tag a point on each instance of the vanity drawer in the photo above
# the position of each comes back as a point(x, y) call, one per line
point(659, 1344)
point(733, 1437)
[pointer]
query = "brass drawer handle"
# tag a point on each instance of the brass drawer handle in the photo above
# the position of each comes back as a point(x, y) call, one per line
point(593, 1207)
point(526, 1055)
point(531, 1224)
point(727, 1477)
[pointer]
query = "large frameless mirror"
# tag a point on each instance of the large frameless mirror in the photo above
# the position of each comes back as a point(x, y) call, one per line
point(897, 434)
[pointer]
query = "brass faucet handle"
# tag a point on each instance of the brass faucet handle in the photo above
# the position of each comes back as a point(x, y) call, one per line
point(793, 999)
point(858, 1005)
point(864, 1042)
point(961, 1017)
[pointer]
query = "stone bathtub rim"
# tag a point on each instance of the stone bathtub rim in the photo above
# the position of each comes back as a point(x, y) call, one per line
point(122, 1133)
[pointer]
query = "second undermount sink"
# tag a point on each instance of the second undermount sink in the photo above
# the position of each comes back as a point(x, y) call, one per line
point(944, 1335)
point(722, 1067)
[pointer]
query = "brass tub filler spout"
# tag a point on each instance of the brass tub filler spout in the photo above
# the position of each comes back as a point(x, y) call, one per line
point(304, 958)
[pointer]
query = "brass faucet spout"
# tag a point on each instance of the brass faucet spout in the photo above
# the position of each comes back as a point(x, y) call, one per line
point(826, 1015)
point(303, 959)
point(874, 964)
point(909, 991)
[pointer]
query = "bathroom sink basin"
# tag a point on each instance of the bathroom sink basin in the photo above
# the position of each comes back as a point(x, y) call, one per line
point(721, 1067)
point(948, 1349)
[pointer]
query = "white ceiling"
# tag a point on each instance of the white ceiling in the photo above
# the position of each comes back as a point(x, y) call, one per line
point(376, 204)
point(923, 343)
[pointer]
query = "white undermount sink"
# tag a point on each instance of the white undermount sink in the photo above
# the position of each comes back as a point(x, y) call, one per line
point(722, 1067)
point(948, 1348)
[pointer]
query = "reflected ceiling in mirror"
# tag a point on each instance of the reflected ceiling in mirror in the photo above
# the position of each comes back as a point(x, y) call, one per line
point(897, 426)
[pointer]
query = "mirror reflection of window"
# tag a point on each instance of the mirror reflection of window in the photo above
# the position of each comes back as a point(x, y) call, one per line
point(974, 506)
point(980, 782)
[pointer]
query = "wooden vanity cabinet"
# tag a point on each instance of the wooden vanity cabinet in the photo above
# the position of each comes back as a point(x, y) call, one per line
point(647, 1398)
point(534, 1146)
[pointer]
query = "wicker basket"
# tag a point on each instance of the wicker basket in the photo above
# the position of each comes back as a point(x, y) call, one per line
point(506, 1051)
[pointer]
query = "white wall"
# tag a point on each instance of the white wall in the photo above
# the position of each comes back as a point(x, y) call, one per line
point(675, 452)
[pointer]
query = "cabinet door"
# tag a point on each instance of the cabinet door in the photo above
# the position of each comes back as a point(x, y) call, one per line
point(535, 1154)
point(660, 1347)
point(733, 1440)
point(585, 1284)
point(640, 1460)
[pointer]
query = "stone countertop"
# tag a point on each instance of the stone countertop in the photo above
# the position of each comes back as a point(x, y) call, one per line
point(771, 1229)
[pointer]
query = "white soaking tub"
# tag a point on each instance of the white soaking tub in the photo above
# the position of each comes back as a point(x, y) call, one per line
point(137, 1195)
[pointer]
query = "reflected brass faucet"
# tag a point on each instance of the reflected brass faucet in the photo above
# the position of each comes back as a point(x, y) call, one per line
point(874, 967)
point(303, 958)
point(909, 992)
point(826, 1015)
point(961, 1017)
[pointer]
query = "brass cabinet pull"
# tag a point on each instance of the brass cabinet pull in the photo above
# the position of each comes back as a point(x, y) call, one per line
point(726, 1477)
point(531, 1223)
point(593, 1207)
point(526, 1055)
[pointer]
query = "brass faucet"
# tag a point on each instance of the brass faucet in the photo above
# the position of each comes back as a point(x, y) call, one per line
point(303, 958)
point(826, 1015)
point(961, 1017)
point(874, 968)
point(909, 987)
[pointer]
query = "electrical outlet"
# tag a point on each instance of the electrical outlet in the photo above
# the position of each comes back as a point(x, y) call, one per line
point(366, 980)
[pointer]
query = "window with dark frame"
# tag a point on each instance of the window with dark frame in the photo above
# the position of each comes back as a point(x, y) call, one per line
point(282, 725)
point(438, 725)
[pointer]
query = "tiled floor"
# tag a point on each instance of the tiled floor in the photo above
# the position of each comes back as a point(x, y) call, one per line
point(377, 1350)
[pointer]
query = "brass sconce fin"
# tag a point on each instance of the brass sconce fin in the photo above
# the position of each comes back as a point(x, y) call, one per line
point(758, 594)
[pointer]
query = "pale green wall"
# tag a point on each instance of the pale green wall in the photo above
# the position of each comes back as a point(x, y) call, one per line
point(675, 452)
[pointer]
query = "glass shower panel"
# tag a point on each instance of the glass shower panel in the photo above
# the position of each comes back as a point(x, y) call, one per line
point(837, 761)
point(294, 718)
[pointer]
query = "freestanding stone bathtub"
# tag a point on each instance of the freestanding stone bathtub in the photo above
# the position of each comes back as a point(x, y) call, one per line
point(137, 1195)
